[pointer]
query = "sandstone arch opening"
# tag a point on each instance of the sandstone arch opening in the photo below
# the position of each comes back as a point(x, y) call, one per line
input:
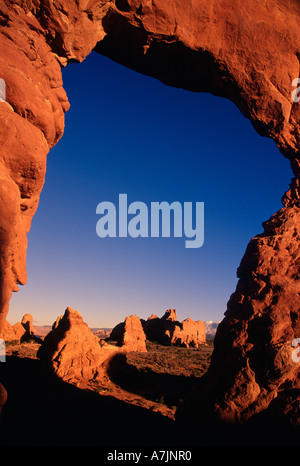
point(234, 46)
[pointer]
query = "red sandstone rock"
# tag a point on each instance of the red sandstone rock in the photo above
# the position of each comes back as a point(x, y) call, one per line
point(134, 338)
point(227, 49)
point(130, 335)
point(19, 331)
point(224, 48)
point(31, 122)
point(168, 330)
point(161, 329)
point(170, 314)
point(245, 51)
point(189, 334)
point(27, 324)
point(252, 371)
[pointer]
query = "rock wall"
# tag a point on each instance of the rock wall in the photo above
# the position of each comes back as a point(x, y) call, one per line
point(167, 330)
point(245, 51)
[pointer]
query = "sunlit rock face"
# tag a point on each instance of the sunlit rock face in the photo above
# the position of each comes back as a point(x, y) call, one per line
point(167, 330)
point(245, 51)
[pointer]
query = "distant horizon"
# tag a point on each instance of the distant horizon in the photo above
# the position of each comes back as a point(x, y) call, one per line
point(129, 133)
point(36, 324)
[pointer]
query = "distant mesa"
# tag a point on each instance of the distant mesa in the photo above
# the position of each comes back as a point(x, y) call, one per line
point(167, 330)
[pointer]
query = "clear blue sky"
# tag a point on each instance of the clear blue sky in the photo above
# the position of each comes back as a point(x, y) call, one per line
point(127, 133)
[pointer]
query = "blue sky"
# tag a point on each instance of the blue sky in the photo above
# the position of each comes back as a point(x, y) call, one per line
point(128, 133)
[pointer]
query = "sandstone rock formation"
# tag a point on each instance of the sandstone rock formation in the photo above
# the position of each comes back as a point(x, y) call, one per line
point(167, 330)
point(71, 349)
point(202, 46)
point(130, 335)
point(253, 374)
point(27, 322)
point(3, 397)
point(23, 330)
point(245, 51)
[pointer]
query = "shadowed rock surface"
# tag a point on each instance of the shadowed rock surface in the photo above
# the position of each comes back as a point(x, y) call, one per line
point(247, 52)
